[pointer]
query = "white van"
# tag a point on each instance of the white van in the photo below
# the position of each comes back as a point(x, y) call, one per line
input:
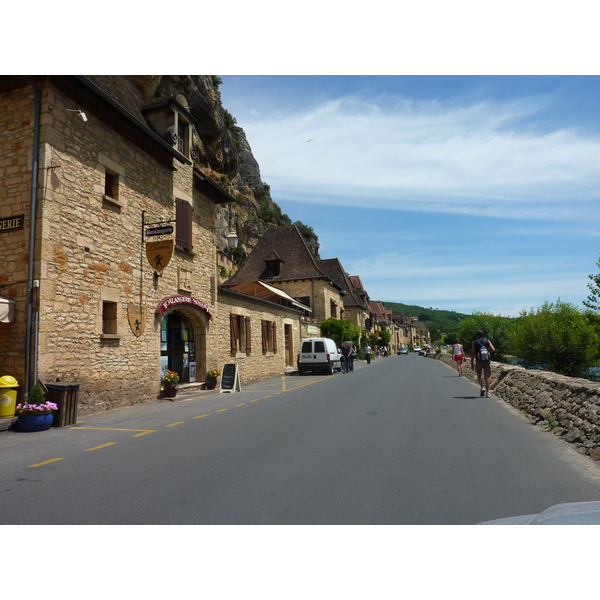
point(318, 354)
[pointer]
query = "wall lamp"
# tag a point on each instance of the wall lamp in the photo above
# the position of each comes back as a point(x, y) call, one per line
point(80, 113)
point(231, 238)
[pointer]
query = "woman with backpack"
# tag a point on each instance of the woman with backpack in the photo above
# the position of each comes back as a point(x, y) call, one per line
point(458, 356)
point(481, 354)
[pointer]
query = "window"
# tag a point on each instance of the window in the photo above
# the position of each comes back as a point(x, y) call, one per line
point(273, 268)
point(109, 318)
point(183, 143)
point(183, 215)
point(333, 307)
point(269, 336)
point(240, 334)
point(111, 184)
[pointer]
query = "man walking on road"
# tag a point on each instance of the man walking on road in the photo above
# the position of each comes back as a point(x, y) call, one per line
point(368, 354)
point(481, 356)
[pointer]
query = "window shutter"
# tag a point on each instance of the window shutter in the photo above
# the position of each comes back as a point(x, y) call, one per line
point(274, 336)
point(248, 337)
point(265, 337)
point(183, 214)
point(233, 333)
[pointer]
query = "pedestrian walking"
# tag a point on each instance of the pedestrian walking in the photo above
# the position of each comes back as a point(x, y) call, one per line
point(346, 351)
point(458, 356)
point(368, 354)
point(481, 357)
point(351, 357)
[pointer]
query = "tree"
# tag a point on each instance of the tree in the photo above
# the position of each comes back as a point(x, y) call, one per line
point(496, 328)
point(593, 300)
point(560, 336)
point(382, 338)
point(340, 331)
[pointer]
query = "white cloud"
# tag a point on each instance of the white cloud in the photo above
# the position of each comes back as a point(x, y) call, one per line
point(430, 157)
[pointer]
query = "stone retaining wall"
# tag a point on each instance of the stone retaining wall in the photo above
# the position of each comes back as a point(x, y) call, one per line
point(568, 407)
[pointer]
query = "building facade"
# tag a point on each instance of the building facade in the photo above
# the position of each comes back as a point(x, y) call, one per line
point(122, 282)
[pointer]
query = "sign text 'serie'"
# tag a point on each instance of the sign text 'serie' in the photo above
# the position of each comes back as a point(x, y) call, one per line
point(12, 223)
point(172, 301)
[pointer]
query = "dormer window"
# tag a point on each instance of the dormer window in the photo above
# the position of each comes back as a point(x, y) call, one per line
point(273, 268)
point(183, 136)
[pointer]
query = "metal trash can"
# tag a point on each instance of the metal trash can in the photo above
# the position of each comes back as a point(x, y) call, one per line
point(8, 396)
point(66, 397)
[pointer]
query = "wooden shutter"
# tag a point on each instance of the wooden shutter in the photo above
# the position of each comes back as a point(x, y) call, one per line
point(248, 337)
point(265, 337)
point(183, 214)
point(233, 333)
point(274, 325)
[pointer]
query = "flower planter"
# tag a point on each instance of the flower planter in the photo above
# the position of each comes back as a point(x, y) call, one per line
point(170, 389)
point(210, 383)
point(35, 422)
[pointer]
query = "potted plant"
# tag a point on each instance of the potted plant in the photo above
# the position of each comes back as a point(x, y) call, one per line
point(171, 379)
point(36, 413)
point(210, 380)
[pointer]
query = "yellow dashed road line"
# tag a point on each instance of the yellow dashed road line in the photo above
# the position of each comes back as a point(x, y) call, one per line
point(98, 447)
point(46, 462)
point(144, 431)
point(222, 410)
point(173, 424)
point(200, 416)
point(242, 404)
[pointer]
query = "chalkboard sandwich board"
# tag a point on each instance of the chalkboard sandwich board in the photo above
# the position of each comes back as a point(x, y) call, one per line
point(230, 379)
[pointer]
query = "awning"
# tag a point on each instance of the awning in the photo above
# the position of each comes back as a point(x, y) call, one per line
point(7, 310)
point(260, 289)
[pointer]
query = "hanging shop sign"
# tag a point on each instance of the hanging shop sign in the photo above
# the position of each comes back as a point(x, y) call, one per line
point(167, 230)
point(179, 301)
point(12, 223)
point(136, 315)
point(159, 253)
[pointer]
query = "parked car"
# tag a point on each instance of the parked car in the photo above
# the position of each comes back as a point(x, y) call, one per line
point(572, 513)
point(318, 354)
point(402, 350)
point(417, 349)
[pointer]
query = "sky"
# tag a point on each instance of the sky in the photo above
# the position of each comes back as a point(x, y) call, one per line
point(466, 193)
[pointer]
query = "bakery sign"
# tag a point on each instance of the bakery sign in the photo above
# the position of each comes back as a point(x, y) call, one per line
point(181, 302)
point(11, 223)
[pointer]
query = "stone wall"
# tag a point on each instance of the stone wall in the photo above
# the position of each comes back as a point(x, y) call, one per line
point(568, 407)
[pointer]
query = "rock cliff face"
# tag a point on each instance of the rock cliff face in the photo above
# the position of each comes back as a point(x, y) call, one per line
point(225, 154)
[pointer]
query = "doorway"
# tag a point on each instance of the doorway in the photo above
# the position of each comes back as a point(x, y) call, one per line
point(289, 348)
point(178, 347)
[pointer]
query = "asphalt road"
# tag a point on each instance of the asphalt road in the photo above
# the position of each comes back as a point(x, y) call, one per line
point(400, 441)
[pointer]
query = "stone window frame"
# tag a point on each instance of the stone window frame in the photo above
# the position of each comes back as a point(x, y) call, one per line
point(113, 176)
point(240, 331)
point(109, 314)
point(269, 336)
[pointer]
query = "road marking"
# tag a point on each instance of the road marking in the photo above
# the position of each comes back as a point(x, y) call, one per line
point(200, 416)
point(257, 399)
point(144, 431)
point(98, 447)
point(222, 410)
point(242, 404)
point(283, 388)
point(46, 462)
point(173, 424)
point(266, 396)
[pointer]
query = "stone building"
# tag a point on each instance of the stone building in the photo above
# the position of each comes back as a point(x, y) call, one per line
point(115, 279)
point(283, 260)
point(355, 307)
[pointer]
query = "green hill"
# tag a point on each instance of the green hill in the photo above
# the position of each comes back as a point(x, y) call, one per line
point(442, 320)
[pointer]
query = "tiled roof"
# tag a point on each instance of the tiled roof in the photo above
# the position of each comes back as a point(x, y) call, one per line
point(332, 267)
point(123, 91)
point(297, 261)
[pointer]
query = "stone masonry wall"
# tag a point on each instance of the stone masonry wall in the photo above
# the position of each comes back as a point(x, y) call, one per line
point(16, 135)
point(568, 407)
point(255, 365)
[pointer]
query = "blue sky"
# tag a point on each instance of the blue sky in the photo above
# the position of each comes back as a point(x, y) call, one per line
point(467, 193)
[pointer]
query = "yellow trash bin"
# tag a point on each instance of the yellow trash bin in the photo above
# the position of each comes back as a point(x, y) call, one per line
point(8, 396)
